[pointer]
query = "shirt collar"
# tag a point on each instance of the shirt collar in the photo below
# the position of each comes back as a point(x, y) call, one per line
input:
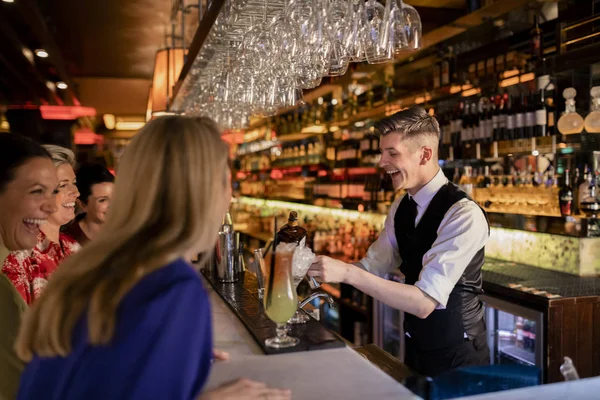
point(424, 196)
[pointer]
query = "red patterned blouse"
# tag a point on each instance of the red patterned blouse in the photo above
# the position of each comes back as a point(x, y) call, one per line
point(29, 270)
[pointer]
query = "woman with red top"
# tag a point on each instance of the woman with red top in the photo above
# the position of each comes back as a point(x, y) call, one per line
point(29, 270)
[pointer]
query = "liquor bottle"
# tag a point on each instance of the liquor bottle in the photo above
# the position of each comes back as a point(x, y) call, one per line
point(486, 182)
point(291, 232)
point(592, 120)
point(565, 196)
point(575, 185)
point(584, 187)
point(530, 122)
point(570, 122)
point(537, 48)
point(437, 75)
point(445, 71)
point(456, 177)
point(541, 116)
point(466, 182)
point(466, 125)
point(511, 117)
point(519, 131)
point(489, 130)
point(496, 133)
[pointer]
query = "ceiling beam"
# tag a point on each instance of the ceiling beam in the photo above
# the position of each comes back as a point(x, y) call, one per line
point(35, 20)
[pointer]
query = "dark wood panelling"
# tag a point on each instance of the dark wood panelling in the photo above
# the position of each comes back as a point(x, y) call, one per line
point(596, 340)
point(584, 340)
point(569, 333)
point(555, 348)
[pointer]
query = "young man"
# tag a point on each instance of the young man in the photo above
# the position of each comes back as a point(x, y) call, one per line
point(436, 236)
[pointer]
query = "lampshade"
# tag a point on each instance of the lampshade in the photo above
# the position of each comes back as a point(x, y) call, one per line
point(167, 67)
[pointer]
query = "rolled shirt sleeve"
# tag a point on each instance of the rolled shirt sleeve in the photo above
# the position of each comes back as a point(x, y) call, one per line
point(461, 234)
point(383, 255)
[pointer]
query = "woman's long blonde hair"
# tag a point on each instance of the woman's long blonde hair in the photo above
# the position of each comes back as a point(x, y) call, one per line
point(169, 200)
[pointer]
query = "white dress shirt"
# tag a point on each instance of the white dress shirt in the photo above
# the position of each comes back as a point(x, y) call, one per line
point(461, 234)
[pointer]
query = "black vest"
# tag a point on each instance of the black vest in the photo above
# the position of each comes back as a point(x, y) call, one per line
point(464, 311)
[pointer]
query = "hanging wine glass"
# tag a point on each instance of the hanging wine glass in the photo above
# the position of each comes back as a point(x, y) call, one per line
point(354, 36)
point(338, 18)
point(397, 28)
point(413, 26)
point(376, 46)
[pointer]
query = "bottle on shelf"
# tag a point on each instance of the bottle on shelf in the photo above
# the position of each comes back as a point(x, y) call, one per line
point(565, 196)
point(520, 111)
point(466, 181)
point(537, 48)
point(570, 122)
point(584, 187)
point(541, 116)
point(509, 133)
point(592, 120)
point(575, 182)
point(530, 121)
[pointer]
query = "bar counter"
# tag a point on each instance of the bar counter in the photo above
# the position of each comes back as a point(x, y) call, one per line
point(343, 373)
point(337, 373)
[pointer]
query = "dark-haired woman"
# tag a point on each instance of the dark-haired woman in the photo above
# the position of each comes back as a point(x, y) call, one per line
point(95, 184)
point(27, 198)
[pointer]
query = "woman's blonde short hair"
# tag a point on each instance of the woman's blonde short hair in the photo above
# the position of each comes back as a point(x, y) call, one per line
point(169, 200)
point(60, 155)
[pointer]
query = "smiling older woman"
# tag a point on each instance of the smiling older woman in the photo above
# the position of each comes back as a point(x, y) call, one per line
point(27, 183)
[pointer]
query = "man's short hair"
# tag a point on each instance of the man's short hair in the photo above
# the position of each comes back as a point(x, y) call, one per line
point(413, 122)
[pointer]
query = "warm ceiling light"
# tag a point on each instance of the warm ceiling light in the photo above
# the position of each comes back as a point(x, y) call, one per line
point(51, 86)
point(527, 77)
point(8, 1)
point(61, 85)
point(41, 53)
point(28, 54)
point(509, 82)
point(129, 125)
point(109, 121)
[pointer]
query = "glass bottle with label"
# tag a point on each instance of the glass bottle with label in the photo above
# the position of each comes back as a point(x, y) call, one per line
point(291, 232)
point(592, 121)
point(570, 122)
point(565, 196)
point(541, 116)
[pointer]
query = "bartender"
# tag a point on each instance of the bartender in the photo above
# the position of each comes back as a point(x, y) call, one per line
point(436, 235)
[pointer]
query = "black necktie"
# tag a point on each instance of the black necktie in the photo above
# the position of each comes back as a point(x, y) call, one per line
point(412, 214)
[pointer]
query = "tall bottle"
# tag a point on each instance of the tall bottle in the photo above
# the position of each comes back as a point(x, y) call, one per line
point(509, 133)
point(575, 185)
point(565, 196)
point(530, 122)
point(592, 121)
point(537, 48)
point(520, 112)
point(541, 116)
point(291, 232)
point(570, 122)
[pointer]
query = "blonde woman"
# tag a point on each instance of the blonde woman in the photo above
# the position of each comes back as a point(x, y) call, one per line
point(127, 317)
point(29, 270)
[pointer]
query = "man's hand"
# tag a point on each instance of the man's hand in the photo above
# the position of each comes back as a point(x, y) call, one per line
point(327, 269)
